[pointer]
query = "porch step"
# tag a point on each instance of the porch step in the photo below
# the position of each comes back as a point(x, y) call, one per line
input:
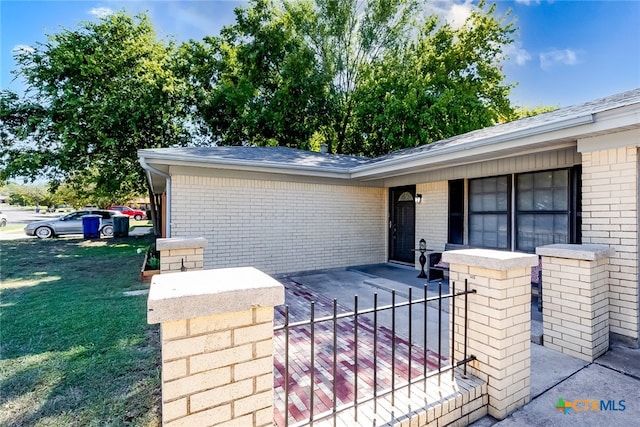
point(445, 401)
point(537, 332)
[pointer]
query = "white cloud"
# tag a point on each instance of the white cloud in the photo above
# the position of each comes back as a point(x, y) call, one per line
point(555, 57)
point(459, 13)
point(452, 11)
point(517, 54)
point(100, 12)
point(528, 2)
point(22, 48)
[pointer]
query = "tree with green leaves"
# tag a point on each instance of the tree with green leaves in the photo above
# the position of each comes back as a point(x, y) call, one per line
point(257, 82)
point(349, 38)
point(365, 77)
point(444, 82)
point(95, 95)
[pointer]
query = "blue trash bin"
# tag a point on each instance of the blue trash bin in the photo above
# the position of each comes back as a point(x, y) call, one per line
point(91, 226)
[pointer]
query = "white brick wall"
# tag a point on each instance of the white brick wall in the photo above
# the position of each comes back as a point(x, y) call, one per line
point(575, 296)
point(280, 227)
point(432, 215)
point(610, 216)
point(212, 366)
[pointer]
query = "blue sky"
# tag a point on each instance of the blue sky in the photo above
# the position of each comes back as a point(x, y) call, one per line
point(566, 52)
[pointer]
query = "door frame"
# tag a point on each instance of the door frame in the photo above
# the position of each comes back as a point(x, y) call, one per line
point(395, 192)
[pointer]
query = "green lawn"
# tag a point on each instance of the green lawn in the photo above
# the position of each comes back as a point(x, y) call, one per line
point(76, 351)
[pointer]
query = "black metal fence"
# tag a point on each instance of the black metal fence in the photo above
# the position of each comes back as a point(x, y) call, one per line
point(341, 361)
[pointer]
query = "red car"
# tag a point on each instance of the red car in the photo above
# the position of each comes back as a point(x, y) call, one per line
point(137, 214)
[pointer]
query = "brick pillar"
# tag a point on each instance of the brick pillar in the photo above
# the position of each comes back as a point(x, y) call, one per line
point(499, 323)
point(179, 252)
point(575, 299)
point(611, 216)
point(217, 346)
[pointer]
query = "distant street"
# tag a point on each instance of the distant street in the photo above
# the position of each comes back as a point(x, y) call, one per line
point(20, 215)
point(17, 215)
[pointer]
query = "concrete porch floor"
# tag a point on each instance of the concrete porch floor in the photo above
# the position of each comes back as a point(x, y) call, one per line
point(614, 376)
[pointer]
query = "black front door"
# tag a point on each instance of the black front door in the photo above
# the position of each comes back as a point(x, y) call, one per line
point(402, 215)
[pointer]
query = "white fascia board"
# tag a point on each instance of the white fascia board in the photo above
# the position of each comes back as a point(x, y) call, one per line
point(625, 138)
point(508, 141)
point(616, 121)
point(244, 165)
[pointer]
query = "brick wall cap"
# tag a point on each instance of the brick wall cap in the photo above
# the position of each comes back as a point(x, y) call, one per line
point(180, 243)
point(489, 258)
point(191, 294)
point(584, 252)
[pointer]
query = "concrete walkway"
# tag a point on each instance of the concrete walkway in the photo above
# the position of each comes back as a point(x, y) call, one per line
point(613, 379)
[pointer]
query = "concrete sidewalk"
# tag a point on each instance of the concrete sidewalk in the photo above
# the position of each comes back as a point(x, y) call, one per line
point(614, 378)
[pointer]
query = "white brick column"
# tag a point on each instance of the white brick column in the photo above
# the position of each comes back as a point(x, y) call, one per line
point(181, 253)
point(575, 299)
point(217, 345)
point(610, 216)
point(499, 323)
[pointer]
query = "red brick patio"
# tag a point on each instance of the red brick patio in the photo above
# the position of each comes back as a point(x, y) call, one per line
point(298, 298)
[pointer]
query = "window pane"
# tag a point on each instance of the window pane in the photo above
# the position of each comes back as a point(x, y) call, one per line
point(405, 197)
point(489, 194)
point(503, 232)
point(502, 203)
point(561, 190)
point(475, 230)
point(543, 191)
point(489, 231)
point(525, 182)
point(488, 185)
point(489, 202)
point(525, 200)
point(543, 180)
point(541, 229)
point(525, 234)
point(543, 199)
point(488, 212)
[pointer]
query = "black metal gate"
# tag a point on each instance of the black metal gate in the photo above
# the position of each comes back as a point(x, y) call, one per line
point(362, 360)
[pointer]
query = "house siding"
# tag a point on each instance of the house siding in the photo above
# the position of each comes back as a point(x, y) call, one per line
point(610, 200)
point(280, 227)
point(562, 158)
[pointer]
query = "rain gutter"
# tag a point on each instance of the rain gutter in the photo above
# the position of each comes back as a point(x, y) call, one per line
point(149, 169)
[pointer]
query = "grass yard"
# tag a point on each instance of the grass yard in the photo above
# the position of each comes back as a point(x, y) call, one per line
point(74, 350)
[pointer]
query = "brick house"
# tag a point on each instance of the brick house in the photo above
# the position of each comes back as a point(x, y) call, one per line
point(567, 176)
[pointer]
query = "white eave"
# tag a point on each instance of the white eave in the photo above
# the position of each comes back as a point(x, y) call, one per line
point(167, 160)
